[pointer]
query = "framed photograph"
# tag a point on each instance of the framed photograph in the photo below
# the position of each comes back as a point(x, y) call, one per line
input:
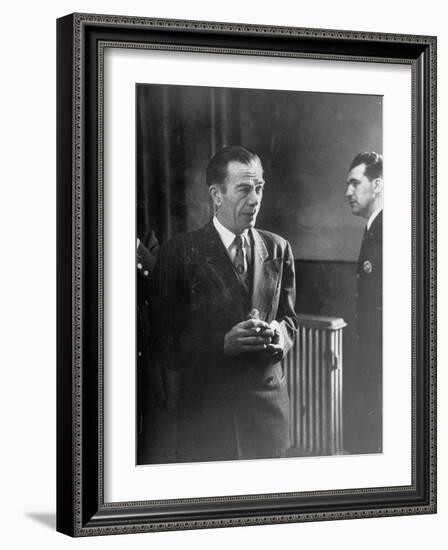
point(246, 274)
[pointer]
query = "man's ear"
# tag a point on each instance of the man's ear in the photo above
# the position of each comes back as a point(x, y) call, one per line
point(378, 185)
point(216, 195)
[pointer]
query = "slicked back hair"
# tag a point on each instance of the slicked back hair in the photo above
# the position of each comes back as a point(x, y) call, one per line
point(373, 162)
point(217, 167)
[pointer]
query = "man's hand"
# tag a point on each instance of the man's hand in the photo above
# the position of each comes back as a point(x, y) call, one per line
point(272, 349)
point(276, 345)
point(251, 335)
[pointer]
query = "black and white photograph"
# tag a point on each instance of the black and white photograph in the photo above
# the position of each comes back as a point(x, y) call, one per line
point(221, 240)
point(246, 330)
point(259, 265)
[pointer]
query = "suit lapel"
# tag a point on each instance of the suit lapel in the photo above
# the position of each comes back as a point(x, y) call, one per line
point(266, 277)
point(220, 272)
point(371, 238)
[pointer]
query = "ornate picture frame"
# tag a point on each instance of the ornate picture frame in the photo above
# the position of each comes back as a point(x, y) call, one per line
point(82, 509)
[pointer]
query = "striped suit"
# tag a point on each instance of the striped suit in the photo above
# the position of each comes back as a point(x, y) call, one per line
point(227, 407)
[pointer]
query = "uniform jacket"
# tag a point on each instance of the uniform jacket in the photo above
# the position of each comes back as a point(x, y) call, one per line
point(227, 407)
point(370, 341)
point(370, 297)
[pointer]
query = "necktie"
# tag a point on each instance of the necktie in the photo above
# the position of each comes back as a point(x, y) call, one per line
point(240, 262)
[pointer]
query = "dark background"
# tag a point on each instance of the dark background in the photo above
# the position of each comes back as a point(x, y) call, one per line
point(306, 141)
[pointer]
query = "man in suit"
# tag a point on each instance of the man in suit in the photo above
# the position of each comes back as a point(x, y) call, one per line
point(223, 311)
point(365, 197)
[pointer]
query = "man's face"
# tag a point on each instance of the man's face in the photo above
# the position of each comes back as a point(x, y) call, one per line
point(361, 192)
point(238, 201)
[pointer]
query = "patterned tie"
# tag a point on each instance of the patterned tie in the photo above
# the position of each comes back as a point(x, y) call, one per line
point(240, 262)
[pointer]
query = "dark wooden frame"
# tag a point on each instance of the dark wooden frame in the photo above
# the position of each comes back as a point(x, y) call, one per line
point(81, 510)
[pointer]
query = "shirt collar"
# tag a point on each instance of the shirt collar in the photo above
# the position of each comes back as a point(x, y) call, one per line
point(372, 217)
point(227, 237)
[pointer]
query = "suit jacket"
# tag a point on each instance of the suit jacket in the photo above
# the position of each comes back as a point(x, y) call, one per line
point(227, 407)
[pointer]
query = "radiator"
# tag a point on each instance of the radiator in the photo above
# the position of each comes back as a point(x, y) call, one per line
point(314, 373)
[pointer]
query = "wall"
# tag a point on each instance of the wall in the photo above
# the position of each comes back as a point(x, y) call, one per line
point(309, 140)
point(27, 236)
point(306, 141)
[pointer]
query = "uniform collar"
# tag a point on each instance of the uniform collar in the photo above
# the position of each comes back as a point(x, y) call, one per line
point(372, 217)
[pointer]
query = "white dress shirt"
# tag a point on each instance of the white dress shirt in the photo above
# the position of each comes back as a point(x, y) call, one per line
point(228, 240)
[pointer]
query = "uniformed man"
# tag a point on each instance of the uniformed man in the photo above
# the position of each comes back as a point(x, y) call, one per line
point(365, 197)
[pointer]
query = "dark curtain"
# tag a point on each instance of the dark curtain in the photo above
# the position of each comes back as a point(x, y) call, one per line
point(179, 128)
